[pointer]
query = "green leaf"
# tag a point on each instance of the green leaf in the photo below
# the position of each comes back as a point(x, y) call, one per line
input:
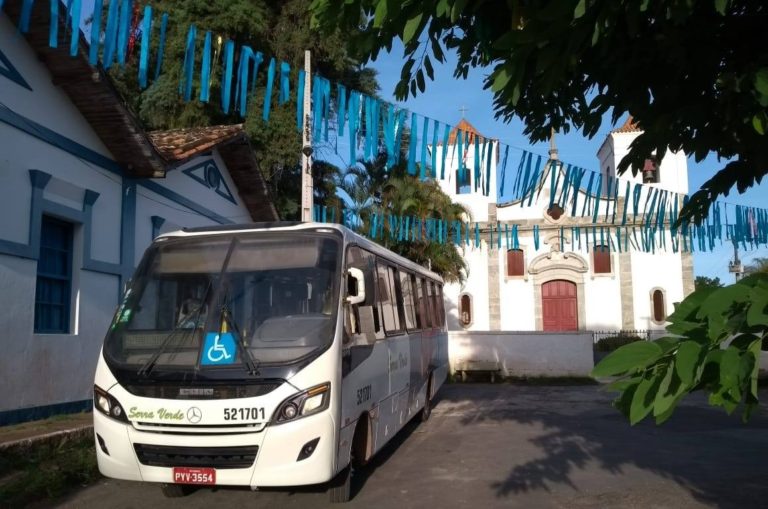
point(420, 81)
point(642, 401)
point(664, 399)
point(500, 78)
point(761, 81)
point(628, 358)
point(623, 384)
point(457, 9)
point(729, 368)
point(580, 9)
point(437, 50)
point(756, 314)
point(688, 355)
point(442, 8)
point(756, 350)
point(428, 68)
point(757, 124)
point(411, 27)
point(720, 6)
point(380, 15)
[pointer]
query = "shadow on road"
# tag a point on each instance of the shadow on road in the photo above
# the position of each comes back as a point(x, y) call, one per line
point(717, 458)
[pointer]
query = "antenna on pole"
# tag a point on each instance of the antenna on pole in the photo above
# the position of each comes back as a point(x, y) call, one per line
point(307, 187)
point(735, 267)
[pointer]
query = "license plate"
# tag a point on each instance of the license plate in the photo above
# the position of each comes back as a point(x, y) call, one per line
point(190, 475)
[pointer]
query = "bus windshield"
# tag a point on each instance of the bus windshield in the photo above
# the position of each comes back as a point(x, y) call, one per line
point(274, 295)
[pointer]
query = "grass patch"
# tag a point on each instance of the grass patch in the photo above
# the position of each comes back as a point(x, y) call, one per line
point(46, 471)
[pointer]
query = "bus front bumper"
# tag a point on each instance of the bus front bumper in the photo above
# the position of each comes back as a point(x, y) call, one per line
point(277, 459)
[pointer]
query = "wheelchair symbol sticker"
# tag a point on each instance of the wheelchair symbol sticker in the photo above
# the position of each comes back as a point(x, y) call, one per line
point(218, 349)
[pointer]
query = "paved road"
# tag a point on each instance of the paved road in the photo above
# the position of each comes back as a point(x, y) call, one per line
point(520, 446)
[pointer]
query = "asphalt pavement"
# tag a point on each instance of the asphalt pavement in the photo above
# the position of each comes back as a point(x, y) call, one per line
point(510, 446)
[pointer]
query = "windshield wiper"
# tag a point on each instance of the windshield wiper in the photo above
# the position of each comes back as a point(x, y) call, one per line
point(250, 362)
point(147, 367)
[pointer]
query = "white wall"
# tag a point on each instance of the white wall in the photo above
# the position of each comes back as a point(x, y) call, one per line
point(525, 354)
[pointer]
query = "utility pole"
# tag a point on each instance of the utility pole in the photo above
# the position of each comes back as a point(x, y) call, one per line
point(307, 187)
point(735, 267)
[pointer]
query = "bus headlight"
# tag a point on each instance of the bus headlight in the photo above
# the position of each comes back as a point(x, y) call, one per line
point(108, 405)
point(311, 401)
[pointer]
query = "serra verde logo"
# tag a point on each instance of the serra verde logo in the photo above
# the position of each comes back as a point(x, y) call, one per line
point(162, 413)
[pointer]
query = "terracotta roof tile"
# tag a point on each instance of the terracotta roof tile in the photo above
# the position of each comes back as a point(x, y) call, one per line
point(629, 127)
point(465, 127)
point(177, 145)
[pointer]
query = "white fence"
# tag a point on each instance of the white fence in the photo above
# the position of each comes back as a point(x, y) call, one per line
point(524, 354)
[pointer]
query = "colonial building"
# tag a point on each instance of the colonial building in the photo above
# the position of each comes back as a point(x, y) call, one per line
point(83, 191)
point(566, 283)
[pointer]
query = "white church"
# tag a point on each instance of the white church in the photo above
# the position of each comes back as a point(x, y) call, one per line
point(561, 286)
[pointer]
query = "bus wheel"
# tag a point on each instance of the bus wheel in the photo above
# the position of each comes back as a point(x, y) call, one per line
point(341, 486)
point(175, 490)
point(427, 410)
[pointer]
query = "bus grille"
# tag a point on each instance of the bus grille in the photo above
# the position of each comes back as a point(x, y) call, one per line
point(212, 457)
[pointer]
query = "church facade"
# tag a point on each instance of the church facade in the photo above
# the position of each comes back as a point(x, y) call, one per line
point(554, 280)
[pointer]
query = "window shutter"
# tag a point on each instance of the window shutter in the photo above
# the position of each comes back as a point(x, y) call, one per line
point(515, 262)
point(601, 257)
point(658, 306)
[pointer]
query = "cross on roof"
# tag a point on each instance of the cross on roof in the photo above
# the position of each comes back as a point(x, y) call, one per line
point(463, 110)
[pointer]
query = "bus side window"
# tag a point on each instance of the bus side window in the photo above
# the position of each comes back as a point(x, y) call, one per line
point(387, 299)
point(394, 284)
point(362, 320)
point(435, 305)
point(441, 305)
point(407, 289)
point(426, 308)
point(417, 307)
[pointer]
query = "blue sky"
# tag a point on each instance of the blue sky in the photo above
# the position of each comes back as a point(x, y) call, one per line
point(445, 96)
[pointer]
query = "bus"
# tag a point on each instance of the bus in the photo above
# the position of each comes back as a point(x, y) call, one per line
point(265, 355)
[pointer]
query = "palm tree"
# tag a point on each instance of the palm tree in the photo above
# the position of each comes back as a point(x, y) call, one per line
point(372, 188)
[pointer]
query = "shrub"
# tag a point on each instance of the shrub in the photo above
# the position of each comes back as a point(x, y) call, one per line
point(611, 343)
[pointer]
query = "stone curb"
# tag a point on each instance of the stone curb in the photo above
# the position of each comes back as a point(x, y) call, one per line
point(54, 438)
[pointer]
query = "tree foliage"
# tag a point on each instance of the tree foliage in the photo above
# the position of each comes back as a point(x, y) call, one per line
point(714, 345)
point(702, 282)
point(277, 29)
point(758, 264)
point(694, 75)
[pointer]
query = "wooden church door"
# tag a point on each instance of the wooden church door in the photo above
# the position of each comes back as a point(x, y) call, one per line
point(559, 306)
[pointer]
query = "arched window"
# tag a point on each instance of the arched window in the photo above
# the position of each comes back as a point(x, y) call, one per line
point(515, 262)
point(659, 309)
point(465, 310)
point(601, 260)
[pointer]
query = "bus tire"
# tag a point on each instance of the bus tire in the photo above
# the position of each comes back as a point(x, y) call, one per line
point(341, 486)
point(427, 410)
point(175, 490)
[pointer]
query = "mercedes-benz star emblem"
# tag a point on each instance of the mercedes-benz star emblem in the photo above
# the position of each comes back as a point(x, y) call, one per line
point(194, 415)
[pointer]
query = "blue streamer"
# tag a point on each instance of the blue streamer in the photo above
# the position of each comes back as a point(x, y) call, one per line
point(488, 163)
point(476, 172)
point(268, 92)
point(110, 35)
point(26, 14)
point(435, 129)
point(341, 108)
point(161, 45)
point(258, 59)
point(446, 136)
point(226, 81)
point(326, 107)
point(535, 237)
point(285, 83)
point(504, 171)
point(588, 197)
point(389, 134)
point(598, 194)
point(412, 145)
point(460, 142)
point(205, 71)
point(74, 20)
point(146, 31)
point(425, 127)
point(124, 28)
point(189, 64)
point(354, 117)
point(534, 180)
point(626, 206)
point(241, 87)
point(53, 32)
point(93, 50)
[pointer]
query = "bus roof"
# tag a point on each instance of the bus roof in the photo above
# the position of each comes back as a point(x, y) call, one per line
point(349, 236)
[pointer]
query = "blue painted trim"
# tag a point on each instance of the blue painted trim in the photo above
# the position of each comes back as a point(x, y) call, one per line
point(8, 70)
point(211, 178)
point(185, 202)
point(70, 146)
point(8, 417)
point(157, 223)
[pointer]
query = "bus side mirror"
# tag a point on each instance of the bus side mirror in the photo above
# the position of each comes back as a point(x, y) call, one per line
point(355, 286)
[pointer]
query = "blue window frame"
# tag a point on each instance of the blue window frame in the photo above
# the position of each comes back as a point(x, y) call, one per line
point(54, 277)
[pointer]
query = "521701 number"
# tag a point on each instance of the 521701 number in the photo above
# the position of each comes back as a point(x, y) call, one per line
point(363, 394)
point(244, 414)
